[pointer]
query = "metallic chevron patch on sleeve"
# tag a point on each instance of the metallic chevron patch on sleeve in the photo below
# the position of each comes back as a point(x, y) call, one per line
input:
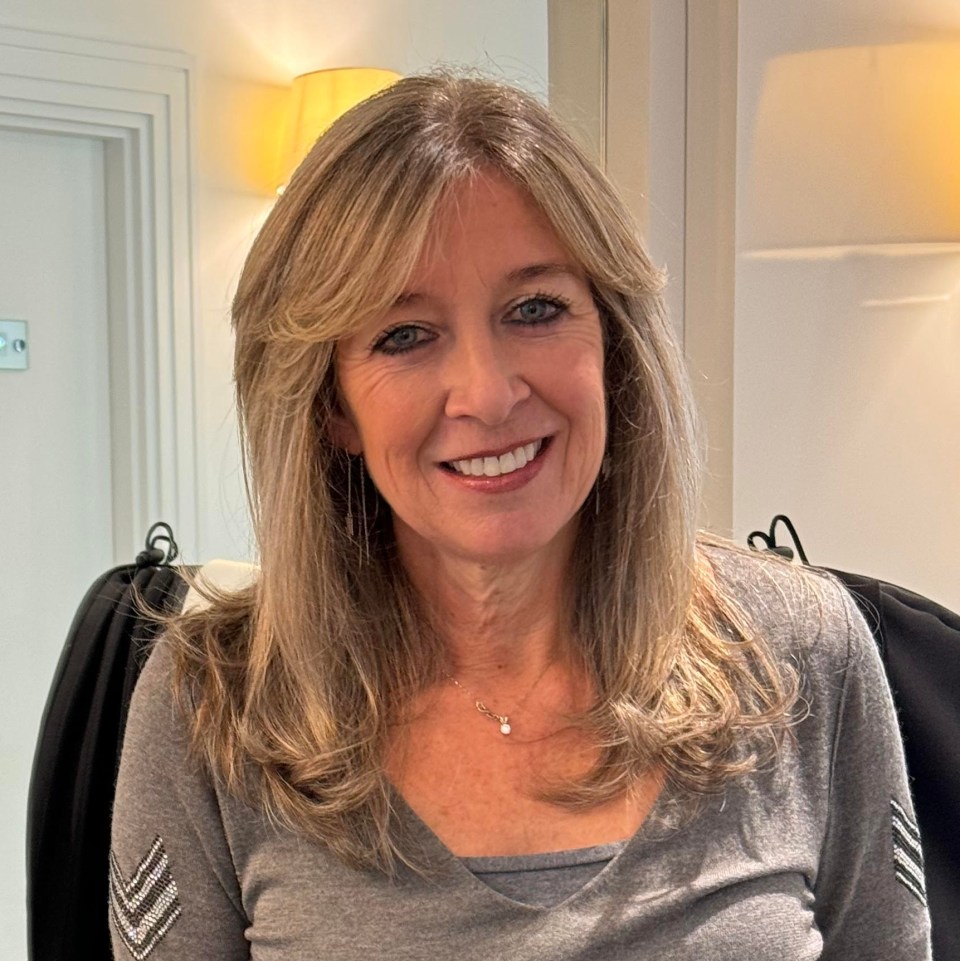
point(907, 853)
point(147, 906)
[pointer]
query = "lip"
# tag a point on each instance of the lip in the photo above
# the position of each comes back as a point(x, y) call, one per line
point(505, 482)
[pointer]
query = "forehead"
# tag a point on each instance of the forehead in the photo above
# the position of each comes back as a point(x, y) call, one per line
point(491, 224)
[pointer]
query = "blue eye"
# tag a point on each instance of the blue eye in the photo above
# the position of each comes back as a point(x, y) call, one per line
point(400, 339)
point(538, 310)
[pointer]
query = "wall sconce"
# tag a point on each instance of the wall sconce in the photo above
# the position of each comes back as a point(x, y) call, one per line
point(856, 150)
point(317, 99)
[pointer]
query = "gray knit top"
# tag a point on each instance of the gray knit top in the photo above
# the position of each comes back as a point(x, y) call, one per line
point(817, 858)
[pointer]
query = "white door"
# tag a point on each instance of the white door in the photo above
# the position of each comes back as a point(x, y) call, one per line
point(55, 486)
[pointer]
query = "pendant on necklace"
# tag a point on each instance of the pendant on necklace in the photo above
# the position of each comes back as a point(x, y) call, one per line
point(501, 719)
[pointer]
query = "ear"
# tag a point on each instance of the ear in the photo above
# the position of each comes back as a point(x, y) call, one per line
point(344, 434)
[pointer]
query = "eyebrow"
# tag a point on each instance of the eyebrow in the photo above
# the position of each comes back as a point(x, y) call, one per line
point(527, 272)
point(543, 270)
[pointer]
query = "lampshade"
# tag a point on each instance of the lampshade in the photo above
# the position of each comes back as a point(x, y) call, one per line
point(317, 99)
point(856, 149)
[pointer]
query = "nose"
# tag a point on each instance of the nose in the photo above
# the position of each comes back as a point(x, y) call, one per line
point(483, 380)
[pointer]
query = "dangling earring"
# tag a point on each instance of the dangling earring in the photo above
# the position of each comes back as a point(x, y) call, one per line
point(348, 520)
point(363, 508)
point(358, 528)
point(602, 476)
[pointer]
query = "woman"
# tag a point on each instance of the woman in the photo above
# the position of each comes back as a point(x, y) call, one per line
point(490, 698)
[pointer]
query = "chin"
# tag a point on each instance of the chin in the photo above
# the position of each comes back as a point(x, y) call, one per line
point(502, 542)
point(516, 545)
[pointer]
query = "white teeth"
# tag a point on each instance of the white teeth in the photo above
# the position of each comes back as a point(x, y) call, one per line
point(498, 466)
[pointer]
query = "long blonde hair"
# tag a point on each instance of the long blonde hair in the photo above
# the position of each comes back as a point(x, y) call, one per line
point(294, 684)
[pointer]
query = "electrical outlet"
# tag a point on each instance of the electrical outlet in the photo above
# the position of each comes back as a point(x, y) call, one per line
point(14, 345)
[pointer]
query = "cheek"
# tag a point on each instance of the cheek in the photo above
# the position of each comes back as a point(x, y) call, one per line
point(592, 424)
point(375, 407)
point(583, 384)
point(395, 427)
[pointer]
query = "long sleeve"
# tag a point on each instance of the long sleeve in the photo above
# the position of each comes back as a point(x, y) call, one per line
point(870, 899)
point(174, 894)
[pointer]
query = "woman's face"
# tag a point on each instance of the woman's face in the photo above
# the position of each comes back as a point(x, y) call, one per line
point(478, 400)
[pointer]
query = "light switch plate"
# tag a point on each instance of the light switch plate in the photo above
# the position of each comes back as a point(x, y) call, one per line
point(14, 345)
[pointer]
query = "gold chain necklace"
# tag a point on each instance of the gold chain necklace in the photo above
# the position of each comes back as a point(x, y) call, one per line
point(502, 719)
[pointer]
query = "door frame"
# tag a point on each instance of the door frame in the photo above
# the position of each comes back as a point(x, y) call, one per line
point(139, 103)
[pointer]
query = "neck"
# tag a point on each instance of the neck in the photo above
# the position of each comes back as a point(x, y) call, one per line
point(502, 623)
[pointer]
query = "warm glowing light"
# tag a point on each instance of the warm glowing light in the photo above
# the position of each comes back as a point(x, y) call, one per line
point(856, 150)
point(317, 99)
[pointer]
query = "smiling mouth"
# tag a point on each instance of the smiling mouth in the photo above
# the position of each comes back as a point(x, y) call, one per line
point(497, 466)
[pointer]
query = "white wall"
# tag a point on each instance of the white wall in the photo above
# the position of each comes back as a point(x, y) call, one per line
point(847, 416)
point(246, 53)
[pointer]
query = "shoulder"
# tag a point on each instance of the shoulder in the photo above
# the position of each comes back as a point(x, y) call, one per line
point(155, 686)
point(810, 623)
point(164, 785)
point(799, 611)
point(155, 729)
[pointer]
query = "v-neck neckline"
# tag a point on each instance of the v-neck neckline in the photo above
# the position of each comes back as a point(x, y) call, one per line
point(443, 857)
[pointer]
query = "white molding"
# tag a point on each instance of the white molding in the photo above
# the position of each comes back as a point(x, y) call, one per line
point(578, 72)
point(710, 241)
point(138, 101)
